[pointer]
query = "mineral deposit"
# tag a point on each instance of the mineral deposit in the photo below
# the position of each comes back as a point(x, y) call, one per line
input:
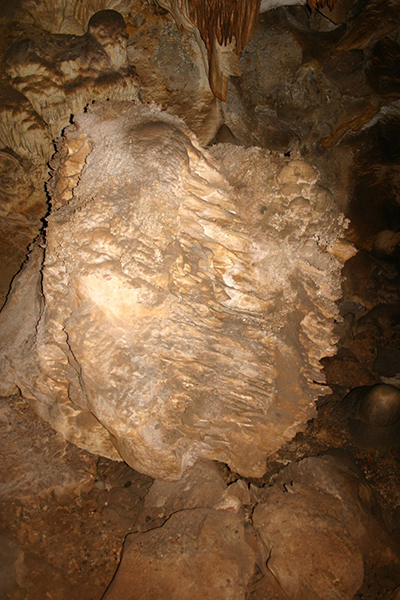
point(182, 302)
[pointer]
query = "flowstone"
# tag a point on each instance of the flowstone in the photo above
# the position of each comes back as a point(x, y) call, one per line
point(175, 313)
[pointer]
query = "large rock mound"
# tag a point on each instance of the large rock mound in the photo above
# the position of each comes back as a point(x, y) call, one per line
point(175, 312)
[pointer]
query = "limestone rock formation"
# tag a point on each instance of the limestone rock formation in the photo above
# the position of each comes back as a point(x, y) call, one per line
point(223, 28)
point(319, 525)
point(373, 416)
point(311, 554)
point(175, 315)
point(313, 535)
point(201, 487)
point(47, 78)
point(198, 554)
point(37, 462)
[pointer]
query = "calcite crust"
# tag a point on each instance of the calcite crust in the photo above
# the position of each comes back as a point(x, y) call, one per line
point(183, 301)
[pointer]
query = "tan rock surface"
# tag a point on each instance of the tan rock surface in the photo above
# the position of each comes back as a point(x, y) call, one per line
point(46, 79)
point(180, 318)
point(36, 462)
point(310, 551)
point(321, 530)
point(199, 554)
point(201, 487)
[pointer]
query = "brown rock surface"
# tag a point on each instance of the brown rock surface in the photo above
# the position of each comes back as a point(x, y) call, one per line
point(199, 554)
point(35, 460)
point(63, 512)
point(201, 487)
point(163, 286)
point(181, 319)
point(307, 77)
point(46, 79)
point(310, 552)
point(372, 414)
point(319, 525)
point(24, 575)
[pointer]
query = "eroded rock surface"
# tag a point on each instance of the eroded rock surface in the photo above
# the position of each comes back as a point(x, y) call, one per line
point(198, 554)
point(176, 317)
point(201, 487)
point(37, 462)
point(46, 79)
point(319, 527)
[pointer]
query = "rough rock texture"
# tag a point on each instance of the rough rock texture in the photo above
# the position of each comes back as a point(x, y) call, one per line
point(314, 534)
point(267, 588)
point(310, 551)
point(221, 31)
point(173, 317)
point(319, 527)
point(288, 95)
point(306, 85)
point(171, 71)
point(22, 575)
point(46, 79)
point(61, 73)
point(201, 487)
point(169, 62)
point(326, 83)
point(36, 461)
point(63, 512)
point(199, 554)
point(309, 81)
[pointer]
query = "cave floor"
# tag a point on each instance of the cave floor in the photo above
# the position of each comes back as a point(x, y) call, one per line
point(65, 513)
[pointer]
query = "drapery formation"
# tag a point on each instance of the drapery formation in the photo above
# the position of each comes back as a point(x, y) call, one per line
point(223, 20)
point(315, 4)
point(220, 23)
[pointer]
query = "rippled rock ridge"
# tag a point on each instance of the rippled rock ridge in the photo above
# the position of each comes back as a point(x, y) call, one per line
point(182, 302)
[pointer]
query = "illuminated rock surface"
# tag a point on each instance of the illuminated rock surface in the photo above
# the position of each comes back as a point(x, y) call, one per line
point(47, 78)
point(179, 317)
point(323, 86)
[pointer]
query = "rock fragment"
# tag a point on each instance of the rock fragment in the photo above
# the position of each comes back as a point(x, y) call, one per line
point(199, 554)
point(201, 487)
point(319, 526)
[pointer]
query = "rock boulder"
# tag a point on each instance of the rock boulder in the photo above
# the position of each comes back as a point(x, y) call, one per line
point(177, 313)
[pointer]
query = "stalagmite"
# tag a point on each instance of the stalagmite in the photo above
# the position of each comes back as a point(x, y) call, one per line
point(182, 303)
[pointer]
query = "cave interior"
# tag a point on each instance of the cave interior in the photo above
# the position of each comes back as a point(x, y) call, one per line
point(200, 291)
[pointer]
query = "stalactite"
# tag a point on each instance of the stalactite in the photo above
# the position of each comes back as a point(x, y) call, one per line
point(316, 4)
point(220, 22)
